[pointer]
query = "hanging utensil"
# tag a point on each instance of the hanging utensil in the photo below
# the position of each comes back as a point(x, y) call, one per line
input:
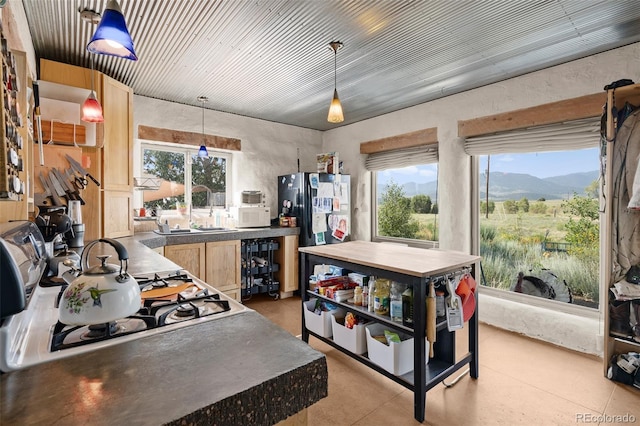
point(455, 318)
point(36, 112)
point(431, 318)
point(57, 186)
point(72, 193)
point(50, 191)
point(79, 183)
point(78, 167)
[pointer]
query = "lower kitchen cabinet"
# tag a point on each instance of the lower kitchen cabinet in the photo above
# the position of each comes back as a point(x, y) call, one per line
point(117, 208)
point(219, 263)
point(222, 266)
point(189, 256)
point(287, 258)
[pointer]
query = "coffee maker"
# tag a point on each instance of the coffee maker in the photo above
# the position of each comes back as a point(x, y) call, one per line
point(75, 236)
point(60, 233)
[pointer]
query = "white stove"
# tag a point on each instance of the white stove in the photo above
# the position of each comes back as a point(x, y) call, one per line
point(170, 301)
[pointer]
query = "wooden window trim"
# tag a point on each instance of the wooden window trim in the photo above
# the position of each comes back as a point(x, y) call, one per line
point(406, 140)
point(187, 138)
point(551, 113)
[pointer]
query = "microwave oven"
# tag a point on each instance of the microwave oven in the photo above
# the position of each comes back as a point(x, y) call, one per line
point(251, 216)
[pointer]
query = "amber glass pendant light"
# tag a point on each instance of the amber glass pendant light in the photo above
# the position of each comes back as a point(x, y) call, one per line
point(335, 109)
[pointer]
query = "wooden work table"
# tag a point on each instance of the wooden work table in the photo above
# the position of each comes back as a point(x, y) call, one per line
point(415, 267)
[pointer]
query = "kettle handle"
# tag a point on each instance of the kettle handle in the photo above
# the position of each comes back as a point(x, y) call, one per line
point(120, 249)
point(123, 255)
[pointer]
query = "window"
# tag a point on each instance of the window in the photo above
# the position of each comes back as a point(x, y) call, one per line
point(540, 218)
point(185, 181)
point(405, 196)
point(538, 211)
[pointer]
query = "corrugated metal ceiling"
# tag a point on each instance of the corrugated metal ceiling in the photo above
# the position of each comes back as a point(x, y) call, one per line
point(269, 59)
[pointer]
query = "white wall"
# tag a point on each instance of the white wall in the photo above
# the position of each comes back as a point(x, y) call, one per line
point(581, 77)
point(268, 149)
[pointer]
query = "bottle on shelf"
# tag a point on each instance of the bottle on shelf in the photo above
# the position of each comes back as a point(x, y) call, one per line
point(365, 295)
point(395, 301)
point(407, 307)
point(372, 291)
point(381, 297)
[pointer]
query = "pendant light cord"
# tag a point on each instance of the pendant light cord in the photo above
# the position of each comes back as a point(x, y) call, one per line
point(92, 85)
point(335, 69)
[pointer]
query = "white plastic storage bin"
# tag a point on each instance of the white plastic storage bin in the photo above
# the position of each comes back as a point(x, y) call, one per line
point(319, 324)
point(353, 339)
point(396, 358)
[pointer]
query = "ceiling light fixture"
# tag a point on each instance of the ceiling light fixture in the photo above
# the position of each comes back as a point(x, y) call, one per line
point(91, 108)
point(112, 36)
point(202, 152)
point(335, 109)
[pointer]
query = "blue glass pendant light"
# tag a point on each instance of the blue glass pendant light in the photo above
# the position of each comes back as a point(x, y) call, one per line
point(202, 152)
point(111, 36)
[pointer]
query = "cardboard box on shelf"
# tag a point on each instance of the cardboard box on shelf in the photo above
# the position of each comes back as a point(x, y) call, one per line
point(328, 162)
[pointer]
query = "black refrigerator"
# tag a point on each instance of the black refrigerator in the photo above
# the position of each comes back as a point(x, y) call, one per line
point(321, 203)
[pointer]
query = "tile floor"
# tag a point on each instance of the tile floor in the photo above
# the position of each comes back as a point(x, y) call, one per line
point(521, 382)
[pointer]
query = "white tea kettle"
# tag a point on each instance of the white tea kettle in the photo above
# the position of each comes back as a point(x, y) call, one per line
point(101, 294)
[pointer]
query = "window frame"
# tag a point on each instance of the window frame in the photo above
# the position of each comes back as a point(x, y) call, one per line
point(425, 244)
point(565, 308)
point(189, 151)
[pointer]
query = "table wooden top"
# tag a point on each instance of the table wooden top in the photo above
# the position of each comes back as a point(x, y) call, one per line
point(397, 258)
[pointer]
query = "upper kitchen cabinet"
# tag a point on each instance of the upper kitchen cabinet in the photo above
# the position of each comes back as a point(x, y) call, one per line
point(117, 165)
point(110, 160)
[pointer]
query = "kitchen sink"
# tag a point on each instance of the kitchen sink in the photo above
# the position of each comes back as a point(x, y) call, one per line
point(213, 229)
point(208, 230)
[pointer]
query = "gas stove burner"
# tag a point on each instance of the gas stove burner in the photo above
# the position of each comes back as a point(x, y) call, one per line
point(159, 284)
point(159, 281)
point(96, 331)
point(186, 310)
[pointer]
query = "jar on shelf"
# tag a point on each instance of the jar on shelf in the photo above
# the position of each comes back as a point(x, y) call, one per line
point(381, 296)
point(357, 296)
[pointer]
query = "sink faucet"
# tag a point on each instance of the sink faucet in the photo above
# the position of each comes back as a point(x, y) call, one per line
point(209, 197)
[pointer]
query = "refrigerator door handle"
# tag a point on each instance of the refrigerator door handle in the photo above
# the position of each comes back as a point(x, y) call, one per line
point(309, 210)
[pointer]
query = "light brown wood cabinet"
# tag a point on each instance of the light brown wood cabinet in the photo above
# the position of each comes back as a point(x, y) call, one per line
point(108, 212)
point(222, 266)
point(189, 256)
point(218, 263)
point(287, 257)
